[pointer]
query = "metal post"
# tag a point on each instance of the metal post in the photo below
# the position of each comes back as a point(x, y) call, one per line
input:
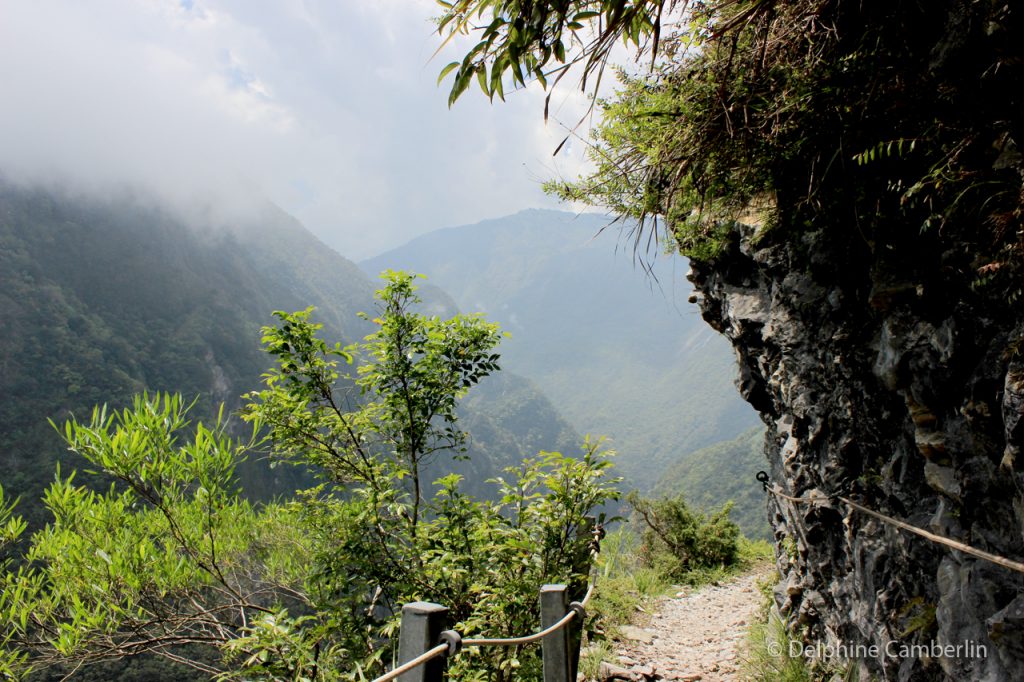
point(554, 604)
point(422, 623)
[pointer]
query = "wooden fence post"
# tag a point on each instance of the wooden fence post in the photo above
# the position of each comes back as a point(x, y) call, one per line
point(422, 624)
point(554, 604)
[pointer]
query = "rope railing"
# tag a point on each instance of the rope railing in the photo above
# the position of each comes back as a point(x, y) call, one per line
point(420, 622)
point(453, 640)
point(526, 639)
point(439, 650)
point(590, 592)
point(577, 609)
point(1010, 564)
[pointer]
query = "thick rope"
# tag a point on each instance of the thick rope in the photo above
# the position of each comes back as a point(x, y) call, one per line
point(590, 592)
point(528, 639)
point(903, 525)
point(419, 660)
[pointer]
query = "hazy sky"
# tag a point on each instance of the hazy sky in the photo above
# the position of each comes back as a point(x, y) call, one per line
point(328, 107)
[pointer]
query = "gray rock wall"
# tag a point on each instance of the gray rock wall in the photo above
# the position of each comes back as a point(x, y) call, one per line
point(890, 381)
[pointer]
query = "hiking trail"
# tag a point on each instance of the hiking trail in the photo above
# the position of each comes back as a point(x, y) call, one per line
point(696, 635)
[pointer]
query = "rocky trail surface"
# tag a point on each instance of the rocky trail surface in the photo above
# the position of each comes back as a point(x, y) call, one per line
point(696, 635)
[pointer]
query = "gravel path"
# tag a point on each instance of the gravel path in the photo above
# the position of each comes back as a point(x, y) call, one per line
point(696, 635)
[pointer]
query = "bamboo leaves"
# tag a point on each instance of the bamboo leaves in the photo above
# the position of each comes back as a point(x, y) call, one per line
point(523, 39)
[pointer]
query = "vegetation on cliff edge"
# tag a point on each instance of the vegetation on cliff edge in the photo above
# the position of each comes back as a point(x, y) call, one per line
point(886, 123)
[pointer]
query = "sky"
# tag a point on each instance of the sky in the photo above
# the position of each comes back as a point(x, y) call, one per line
point(329, 108)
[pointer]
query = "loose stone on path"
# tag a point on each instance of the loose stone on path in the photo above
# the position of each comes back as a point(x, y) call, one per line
point(695, 636)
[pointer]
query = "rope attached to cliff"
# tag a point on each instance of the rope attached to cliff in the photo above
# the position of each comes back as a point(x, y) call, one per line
point(762, 477)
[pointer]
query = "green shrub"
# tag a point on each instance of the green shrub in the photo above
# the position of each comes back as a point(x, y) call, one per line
point(678, 540)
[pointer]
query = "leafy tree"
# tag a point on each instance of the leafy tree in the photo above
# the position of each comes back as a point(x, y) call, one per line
point(418, 368)
point(173, 556)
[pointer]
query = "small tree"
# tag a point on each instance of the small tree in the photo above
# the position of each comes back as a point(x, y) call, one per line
point(417, 368)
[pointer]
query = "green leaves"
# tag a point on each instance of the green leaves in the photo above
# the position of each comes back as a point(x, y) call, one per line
point(11, 526)
point(885, 149)
point(420, 367)
point(446, 70)
point(522, 38)
point(389, 537)
point(487, 561)
point(168, 555)
point(16, 590)
point(139, 446)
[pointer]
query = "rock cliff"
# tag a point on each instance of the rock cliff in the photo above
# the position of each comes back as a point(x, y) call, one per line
point(887, 377)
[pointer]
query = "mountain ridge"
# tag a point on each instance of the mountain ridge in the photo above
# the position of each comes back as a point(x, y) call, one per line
point(612, 344)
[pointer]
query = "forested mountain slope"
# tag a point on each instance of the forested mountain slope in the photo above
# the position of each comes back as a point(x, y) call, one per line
point(620, 353)
point(724, 471)
point(104, 299)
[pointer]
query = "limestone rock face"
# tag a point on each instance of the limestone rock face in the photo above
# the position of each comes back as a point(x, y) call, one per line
point(904, 392)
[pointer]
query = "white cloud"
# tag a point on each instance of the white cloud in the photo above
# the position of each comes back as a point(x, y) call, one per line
point(329, 108)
